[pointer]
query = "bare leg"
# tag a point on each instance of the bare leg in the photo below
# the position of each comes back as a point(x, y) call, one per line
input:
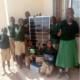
point(8, 62)
point(66, 73)
point(3, 68)
point(60, 72)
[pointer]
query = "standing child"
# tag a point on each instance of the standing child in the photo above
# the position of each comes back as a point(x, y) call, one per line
point(11, 29)
point(19, 41)
point(29, 56)
point(47, 66)
point(67, 54)
point(5, 50)
point(53, 32)
point(26, 24)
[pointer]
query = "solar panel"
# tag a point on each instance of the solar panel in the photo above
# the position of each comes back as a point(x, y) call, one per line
point(39, 30)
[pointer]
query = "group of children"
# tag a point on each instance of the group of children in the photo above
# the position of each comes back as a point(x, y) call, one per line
point(19, 36)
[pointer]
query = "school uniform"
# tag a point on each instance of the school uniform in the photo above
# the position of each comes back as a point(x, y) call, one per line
point(5, 48)
point(53, 35)
point(47, 67)
point(68, 55)
point(19, 41)
point(28, 58)
point(26, 21)
point(12, 38)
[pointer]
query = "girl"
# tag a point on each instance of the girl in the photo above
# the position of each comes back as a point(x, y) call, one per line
point(67, 54)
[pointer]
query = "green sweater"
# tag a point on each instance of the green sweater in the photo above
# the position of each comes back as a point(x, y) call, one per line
point(51, 51)
point(25, 22)
point(31, 47)
point(68, 31)
point(20, 36)
point(53, 33)
point(12, 34)
point(5, 43)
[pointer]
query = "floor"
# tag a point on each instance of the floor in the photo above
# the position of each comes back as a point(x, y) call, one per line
point(13, 76)
point(26, 74)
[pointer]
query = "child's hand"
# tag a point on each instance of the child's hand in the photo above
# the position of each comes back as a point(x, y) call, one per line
point(39, 47)
point(20, 29)
point(2, 38)
point(28, 48)
point(33, 55)
point(60, 33)
point(26, 25)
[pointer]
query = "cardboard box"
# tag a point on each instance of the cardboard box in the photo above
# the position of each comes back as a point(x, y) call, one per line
point(39, 59)
point(35, 66)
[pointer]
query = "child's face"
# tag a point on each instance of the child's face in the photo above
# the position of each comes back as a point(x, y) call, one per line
point(49, 44)
point(27, 15)
point(52, 21)
point(30, 43)
point(21, 23)
point(69, 14)
point(12, 21)
point(5, 31)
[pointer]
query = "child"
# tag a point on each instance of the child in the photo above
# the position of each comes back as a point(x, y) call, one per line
point(67, 54)
point(26, 24)
point(19, 41)
point(11, 29)
point(29, 56)
point(47, 66)
point(5, 50)
point(53, 32)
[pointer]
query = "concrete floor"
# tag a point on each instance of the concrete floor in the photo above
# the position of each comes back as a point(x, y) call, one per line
point(27, 74)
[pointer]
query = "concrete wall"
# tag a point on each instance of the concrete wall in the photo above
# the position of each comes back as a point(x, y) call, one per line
point(3, 21)
point(17, 8)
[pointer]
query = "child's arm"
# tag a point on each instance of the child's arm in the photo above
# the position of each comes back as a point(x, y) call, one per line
point(26, 25)
point(27, 51)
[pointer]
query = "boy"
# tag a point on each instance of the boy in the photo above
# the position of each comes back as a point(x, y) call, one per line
point(48, 66)
point(11, 29)
point(5, 50)
point(29, 56)
point(19, 41)
point(26, 24)
point(53, 32)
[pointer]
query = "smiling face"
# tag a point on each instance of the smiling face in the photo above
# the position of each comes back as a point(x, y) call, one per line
point(12, 20)
point(21, 22)
point(69, 13)
point(27, 15)
point(49, 44)
point(30, 43)
point(4, 30)
point(52, 20)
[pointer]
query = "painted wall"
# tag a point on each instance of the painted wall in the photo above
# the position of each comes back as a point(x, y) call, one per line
point(47, 7)
point(19, 7)
point(3, 21)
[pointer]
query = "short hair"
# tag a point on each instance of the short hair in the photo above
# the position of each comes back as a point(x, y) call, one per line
point(49, 40)
point(12, 17)
point(70, 9)
point(29, 40)
point(27, 12)
point(3, 29)
point(54, 18)
point(20, 19)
